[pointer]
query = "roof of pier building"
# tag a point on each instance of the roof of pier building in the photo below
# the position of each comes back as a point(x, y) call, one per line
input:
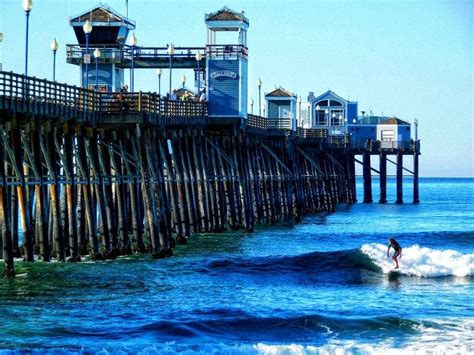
point(329, 98)
point(226, 19)
point(395, 121)
point(280, 92)
point(108, 25)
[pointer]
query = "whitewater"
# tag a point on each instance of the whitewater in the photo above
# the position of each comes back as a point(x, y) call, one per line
point(422, 261)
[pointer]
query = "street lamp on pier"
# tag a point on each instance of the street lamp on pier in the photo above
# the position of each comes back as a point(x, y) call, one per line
point(259, 84)
point(299, 117)
point(198, 60)
point(264, 107)
point(27, 6)
point(326, 116)
point(251, 105)
point(54, 47)
point(1, 40)
point(87, 31)
point(416, 130)
point(354, 121)
point(133, 42)
point(183, 80)
point(159, 72)
point(317, 114)
point(97, 56)
point(170, 51)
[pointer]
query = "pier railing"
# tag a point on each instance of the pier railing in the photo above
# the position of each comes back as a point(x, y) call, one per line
point(51, 100)
point(30, 95)
point(227, 51)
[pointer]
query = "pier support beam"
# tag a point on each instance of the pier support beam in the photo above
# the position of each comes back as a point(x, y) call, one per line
point(399, 177)
point(383, 177)
point(367, 178)
point(416, 193)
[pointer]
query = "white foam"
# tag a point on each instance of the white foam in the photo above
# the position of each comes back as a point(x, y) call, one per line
point(422, 261)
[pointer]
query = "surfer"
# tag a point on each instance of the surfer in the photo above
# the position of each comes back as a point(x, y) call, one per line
point(398, 250)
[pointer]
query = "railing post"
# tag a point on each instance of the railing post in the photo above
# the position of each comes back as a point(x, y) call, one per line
point(140, 101)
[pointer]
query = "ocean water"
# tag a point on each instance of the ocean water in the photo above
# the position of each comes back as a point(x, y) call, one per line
point(323, 286)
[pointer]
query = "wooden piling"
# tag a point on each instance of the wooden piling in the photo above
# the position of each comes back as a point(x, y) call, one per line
point(416, 191)
point(367, 176)
point(383, 177)
point(399, 178)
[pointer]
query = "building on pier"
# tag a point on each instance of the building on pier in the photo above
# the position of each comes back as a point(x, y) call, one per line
point(227, 65)
point(110, 32)
point(390, 131)
point(331, 112)
point(281, 106)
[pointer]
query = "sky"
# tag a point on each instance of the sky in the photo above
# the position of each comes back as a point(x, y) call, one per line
point(411, 59)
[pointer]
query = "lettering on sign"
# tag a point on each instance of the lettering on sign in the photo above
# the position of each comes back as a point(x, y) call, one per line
point(225, 73)
point(87, 59)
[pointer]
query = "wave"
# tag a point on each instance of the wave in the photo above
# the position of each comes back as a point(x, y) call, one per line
point(422, 261)
point(415, 261)
point(307, 328)
point(314, 262)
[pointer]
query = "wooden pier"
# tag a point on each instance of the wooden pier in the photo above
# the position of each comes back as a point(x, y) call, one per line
point(84, 173)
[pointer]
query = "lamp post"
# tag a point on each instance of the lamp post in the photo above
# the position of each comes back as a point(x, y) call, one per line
point(317, 114)
point(87, 31)
point(170, 51)
point(133, 42)
point(54, 47)
point(299, 117)
point(183, 80)
point(1, 40)
point(326, 116)
point(159, 72)
point(27, 6)
point(354, 121)
point(259, 84)
point(264, 107)
point(198, 60)
point(416, 130)
point(97, 56)
point(251, 106)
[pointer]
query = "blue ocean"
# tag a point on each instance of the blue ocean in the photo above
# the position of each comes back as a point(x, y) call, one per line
point(323, 286)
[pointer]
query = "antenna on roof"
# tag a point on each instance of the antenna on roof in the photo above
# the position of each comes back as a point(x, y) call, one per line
point(126, 4)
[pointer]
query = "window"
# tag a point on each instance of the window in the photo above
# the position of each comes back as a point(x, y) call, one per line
point(335, 103)
point(388, 136)
point(322, 103)
point(321, 118)
point(337, 117)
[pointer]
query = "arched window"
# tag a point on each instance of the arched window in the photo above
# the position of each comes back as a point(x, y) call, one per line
point(335, 103)
point(322, 103)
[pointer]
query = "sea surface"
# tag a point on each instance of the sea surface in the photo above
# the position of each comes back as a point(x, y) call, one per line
point(323, 286)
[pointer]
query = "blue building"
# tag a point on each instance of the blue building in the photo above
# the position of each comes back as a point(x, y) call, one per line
point(227, 65)
point(110, 31)
point(281, 108)
point(380, 128)
point(331, 112)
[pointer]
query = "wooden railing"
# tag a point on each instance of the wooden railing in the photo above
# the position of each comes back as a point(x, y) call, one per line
point(22, 94)
point(113, 103)
point(52, 100)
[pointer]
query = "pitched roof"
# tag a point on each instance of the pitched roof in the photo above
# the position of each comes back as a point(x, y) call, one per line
point(395, 120)
point(101, 13)
point(329, 93)
point(226, 14)
point(280, 92)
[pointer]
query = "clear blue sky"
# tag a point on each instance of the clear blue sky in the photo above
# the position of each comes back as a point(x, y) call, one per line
point(412, 59)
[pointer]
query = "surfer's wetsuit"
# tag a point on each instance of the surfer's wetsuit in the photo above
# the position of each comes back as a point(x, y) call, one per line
point(398, 250)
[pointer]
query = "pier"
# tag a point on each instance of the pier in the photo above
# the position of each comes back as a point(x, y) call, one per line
point(104, 173)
